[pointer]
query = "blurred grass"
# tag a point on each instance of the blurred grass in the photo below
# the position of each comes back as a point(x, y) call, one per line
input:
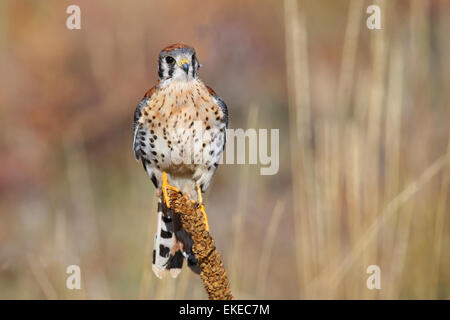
point(364, 147)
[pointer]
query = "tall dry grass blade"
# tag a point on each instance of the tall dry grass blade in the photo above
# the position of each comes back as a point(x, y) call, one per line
point(240, 213)
point(372, 183)
point(392, 137)
point(394, 238)
point(439, 228)
point(334, 147)
point(392, 208)
point(374, 122)
point(419, 20)
point(263, 270)
point(41, 277)
point(354, 148)
point(87, 233)
point(147, 278)
point(299, 135)
point(349, 57)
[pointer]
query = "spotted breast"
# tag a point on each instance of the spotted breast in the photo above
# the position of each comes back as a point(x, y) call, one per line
point(181, 130)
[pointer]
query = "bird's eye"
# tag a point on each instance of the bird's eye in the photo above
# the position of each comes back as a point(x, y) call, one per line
point(170, 60)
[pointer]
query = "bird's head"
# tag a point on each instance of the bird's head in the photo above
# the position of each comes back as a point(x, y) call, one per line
point(178, 62)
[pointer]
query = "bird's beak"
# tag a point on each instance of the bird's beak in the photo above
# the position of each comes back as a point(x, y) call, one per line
point(184, 64)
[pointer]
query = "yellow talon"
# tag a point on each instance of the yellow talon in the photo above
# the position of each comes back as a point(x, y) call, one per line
point(205, 217)
point(165, 186)
point(202, 207)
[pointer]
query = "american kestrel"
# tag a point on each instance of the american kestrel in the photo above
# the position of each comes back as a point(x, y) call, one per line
point(179, 135)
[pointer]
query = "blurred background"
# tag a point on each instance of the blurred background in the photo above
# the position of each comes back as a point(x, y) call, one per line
point(364, 147)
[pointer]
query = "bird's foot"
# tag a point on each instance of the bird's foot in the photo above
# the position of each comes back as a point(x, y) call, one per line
point(165, 187)
point(202, 207)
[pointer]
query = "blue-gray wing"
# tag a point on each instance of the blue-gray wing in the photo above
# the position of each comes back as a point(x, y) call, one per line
point(138, 130)
point(224, 109)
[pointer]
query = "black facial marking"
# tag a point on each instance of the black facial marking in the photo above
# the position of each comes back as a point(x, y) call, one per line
point(194, 65)
point(171, 70)
point(160, 71)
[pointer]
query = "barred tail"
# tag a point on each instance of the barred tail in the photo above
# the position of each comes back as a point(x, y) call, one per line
point(164, 242)
point(172, 244)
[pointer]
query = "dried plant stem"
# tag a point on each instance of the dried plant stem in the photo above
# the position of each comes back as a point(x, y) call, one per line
point(213, 273)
